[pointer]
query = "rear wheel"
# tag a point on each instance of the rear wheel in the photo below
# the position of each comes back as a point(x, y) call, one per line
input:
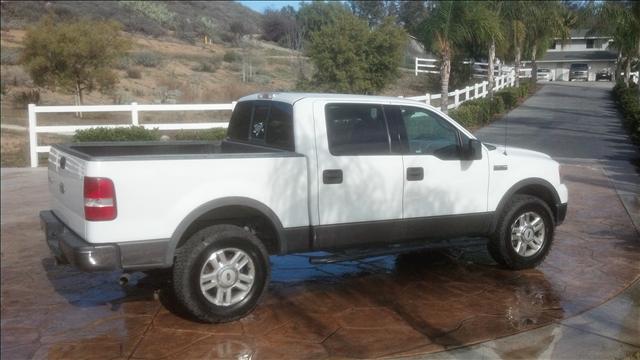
point(220, 273)
point(524, 233)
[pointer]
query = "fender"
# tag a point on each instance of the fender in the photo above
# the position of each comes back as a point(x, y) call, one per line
point(222, 202)
point(519, 186)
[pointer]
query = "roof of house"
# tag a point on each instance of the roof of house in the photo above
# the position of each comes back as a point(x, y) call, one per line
point(570, 56)
point(586, 34)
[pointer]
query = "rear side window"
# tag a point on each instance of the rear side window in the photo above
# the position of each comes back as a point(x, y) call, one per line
point(357, 129)
point(267, 123)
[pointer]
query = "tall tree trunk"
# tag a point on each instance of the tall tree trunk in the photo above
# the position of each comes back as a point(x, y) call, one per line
point(490, 77)
point(445, 70)
point(627, 71)
point(517, 66)
point(534, 64)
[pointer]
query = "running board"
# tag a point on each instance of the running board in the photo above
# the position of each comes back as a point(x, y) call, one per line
point(357, 254)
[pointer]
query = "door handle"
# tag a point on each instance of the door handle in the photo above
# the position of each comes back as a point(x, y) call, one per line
point(415, 174)
point(333, 176)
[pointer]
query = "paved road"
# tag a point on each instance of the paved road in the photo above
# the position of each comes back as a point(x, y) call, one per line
point(575, 123)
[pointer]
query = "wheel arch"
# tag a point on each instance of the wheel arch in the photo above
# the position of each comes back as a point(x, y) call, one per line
point(537, 187)
point(228, 208)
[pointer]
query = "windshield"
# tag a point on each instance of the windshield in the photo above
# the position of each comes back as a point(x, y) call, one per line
point(544, 70)
point(579, 67)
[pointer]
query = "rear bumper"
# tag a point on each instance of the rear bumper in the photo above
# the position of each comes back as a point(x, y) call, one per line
point(69, 248)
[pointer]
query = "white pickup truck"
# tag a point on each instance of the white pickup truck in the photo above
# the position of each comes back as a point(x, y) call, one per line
point(297, 173)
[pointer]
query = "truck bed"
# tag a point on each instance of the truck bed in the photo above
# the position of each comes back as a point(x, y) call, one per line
point(148, 150)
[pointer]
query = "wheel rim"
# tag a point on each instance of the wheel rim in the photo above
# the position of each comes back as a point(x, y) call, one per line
point(528, 234)
point(227, 276)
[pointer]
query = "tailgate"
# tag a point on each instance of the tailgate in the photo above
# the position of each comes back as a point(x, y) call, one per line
point(66, 186)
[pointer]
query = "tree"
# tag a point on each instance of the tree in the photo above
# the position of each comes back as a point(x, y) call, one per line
point(622, 21)
point(488, 29)
point(447, 29)
point(350, 57)
point(514, 14)
point(280, 26)
point(313, 16)
point(544, 23)
point(411, 14)
point(76, 57)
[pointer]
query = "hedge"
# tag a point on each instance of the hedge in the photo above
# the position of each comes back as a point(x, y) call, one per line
point(627, 99)
point(475, 113)
point(139, 133)
point(210, 135)
point(116, 134)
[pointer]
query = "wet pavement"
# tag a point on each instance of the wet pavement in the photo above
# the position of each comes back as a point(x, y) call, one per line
point(394, 306)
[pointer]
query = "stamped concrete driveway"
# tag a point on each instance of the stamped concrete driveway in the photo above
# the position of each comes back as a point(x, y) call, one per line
point(405, 306)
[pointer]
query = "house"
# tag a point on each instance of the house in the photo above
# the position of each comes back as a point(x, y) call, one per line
point(583, 48)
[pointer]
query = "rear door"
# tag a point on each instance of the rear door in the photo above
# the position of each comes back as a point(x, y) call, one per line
point(66, 185)
point(360, 179)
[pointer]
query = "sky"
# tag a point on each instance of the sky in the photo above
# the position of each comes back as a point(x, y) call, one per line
point(261, 6)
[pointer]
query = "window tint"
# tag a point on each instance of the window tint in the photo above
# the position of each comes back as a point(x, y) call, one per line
point(280, 127)
point(590, 43)
point(428, 134)
point(240, 121)
point(356, 129)
point(263, 122)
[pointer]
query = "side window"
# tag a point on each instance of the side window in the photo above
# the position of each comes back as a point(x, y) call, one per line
point(428, 134)
point(356, 129)
point(280, 127)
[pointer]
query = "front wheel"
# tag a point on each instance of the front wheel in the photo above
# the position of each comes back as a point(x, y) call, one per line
point(220, 273)
point(524, 233)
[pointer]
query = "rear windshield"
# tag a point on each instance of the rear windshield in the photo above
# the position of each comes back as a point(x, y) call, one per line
point(544, 70)
point(579, 66)
point(267, 123)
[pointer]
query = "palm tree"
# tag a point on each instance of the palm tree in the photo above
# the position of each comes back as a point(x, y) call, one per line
point(448, 28)
point(545, 21)
point(488, 30)
point(513, 15)
point(621, 19)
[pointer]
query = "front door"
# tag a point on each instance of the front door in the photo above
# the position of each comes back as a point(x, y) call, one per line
point(443, 194)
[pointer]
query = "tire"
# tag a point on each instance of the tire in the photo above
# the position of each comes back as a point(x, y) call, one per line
point(531, 243)
point(211, 252)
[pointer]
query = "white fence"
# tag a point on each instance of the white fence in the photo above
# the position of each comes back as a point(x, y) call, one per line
point(134, 109)
point(472, 92)
point(460, 96)
point(427, 66)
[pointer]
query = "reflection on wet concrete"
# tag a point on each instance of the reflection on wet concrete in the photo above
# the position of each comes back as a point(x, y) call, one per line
point(382, 307)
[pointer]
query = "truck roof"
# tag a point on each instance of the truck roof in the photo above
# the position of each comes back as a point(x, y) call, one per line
point(293, 97)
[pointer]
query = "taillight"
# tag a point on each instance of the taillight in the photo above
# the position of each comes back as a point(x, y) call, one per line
point(99, 199)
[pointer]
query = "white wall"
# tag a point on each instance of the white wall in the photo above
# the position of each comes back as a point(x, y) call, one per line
point(580, 45)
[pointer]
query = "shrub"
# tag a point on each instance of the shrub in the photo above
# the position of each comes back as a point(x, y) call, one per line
point(117, 134)
point(465, 115)
point(24, 98)
point(10, 56)
point(509, 97)
point(231, 56)
point(497, 105)
point(206, 66)
point(210, 134)
point(146, 59)
point(627, 99)
point(134, 73)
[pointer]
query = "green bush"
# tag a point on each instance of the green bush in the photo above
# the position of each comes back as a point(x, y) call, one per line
point(210, 135)
point(231, 56)
point(627, 99)
point(497, 105)
point(146, 59)
point(509, 97)
point(206, 66)
point(132, 133)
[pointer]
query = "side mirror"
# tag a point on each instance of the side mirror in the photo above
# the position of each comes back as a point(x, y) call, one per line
point(473, 150)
